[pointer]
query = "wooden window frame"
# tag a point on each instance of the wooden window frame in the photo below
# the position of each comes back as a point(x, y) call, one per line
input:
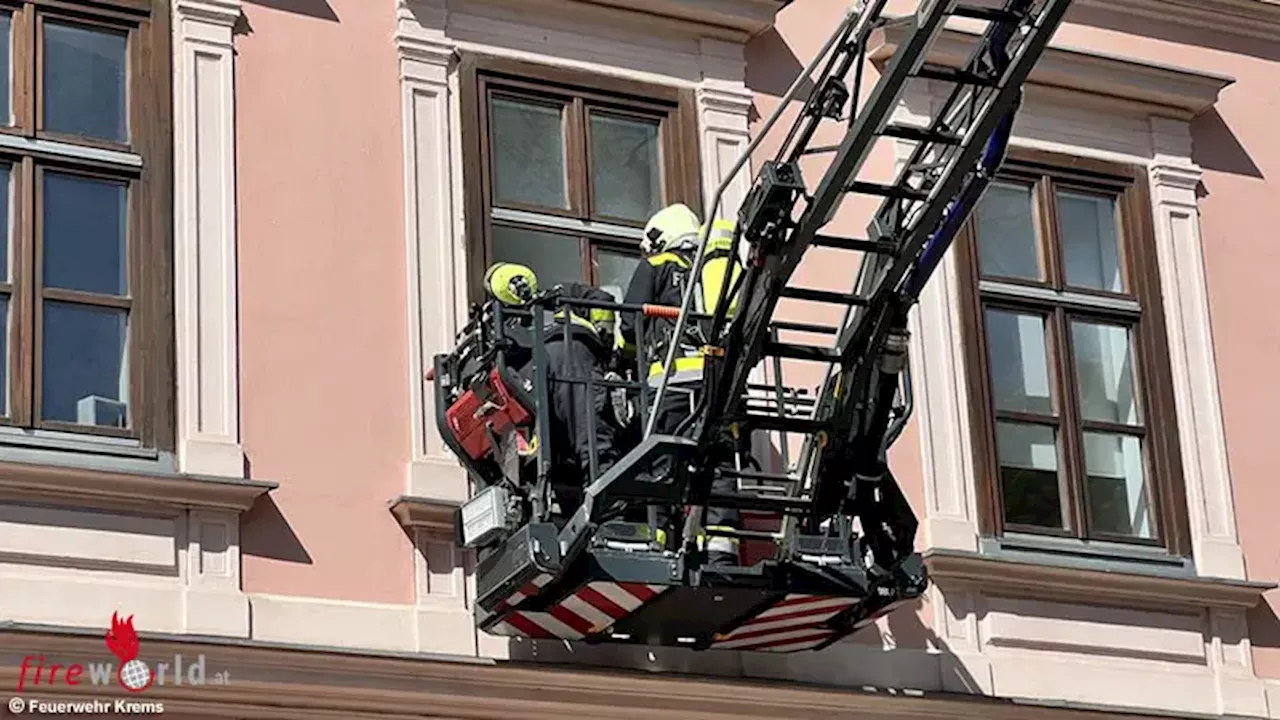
point(144, 165)
point(1153, 376)
point(674, 108)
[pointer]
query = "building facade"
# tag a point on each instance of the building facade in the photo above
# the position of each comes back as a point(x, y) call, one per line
point(304, 194)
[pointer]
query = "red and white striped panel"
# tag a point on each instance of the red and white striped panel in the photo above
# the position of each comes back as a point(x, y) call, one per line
point(791, 625)
point(528, 590)
point(592, 608)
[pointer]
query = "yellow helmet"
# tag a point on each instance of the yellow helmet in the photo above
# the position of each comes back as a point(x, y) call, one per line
point(671, 227)
point(510, 284)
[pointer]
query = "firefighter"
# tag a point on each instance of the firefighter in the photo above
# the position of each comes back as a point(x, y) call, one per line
point(669, 246)
point(574, 437)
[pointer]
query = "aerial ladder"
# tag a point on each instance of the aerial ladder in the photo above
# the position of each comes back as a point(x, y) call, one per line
point(556, 563)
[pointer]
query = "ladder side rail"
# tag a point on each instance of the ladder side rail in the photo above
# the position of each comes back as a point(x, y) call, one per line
point(860, 20)
point(957, 171)
point(888, 304)
point(768, 274)
point(849, 56)
point(889, 219)
point(686, 300)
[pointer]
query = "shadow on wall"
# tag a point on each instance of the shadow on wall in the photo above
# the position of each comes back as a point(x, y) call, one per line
point(859, 662)
point(1264, 626)
point(1157, 29)
point(773, 68)
point(319, 9)
point(1215, 147)
point(265, 533)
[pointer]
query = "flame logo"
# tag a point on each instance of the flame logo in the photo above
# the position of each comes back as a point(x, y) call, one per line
point(134, 675)
point(122, 640)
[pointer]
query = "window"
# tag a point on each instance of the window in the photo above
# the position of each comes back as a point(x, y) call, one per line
point(83, 217)
point(1073, 406)
point(564, 169)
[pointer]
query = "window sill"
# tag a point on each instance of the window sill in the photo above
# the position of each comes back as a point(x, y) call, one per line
point(20, 440)
point(1093, 555)
point(1061, 581)
point(433, 516)
point(86, 485)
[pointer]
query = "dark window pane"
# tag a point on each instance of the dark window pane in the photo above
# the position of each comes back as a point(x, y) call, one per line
point(4, 355)
point(1090, 244)
point(1118, 500)
point(1019, 362)
point(1029, 481)
point(614, 270)
point(6, 72)
point(1104, 371)
point(84, 234)
point(528, 153)
point(84, 85)
point(554, 258)
point(626, 167)
point(1007, 243)
point(85, 376)
point(6, 220)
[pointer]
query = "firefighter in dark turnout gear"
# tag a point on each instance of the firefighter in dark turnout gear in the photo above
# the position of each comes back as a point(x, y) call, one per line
point(669, 246)
point(582, 422)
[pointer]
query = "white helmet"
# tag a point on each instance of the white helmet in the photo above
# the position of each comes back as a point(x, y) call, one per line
point(673, 227)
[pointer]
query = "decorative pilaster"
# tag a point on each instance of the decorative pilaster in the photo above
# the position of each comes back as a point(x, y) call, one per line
point(434, 232)
point(1202, 438)
point(205, 238)
point(214, 603)
point(724, 110)
point(937, 372)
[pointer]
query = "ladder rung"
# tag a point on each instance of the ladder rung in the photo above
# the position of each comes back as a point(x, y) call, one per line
point(889, 191)
point(772, 400)
point(820, 149)
point(954, 75)
point(775, 409)
point(749, 501)
point(984, 13)
point(786, 391)
point(921, 134)
point(883, 247)
point(802, 352)
point(804, 426)
point(756, 475)
point(823, 296)
point(747, 534)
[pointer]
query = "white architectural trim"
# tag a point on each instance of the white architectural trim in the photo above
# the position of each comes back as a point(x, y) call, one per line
point(176, 571)
point(1152, 661)
point(1053, 119)
point(1272, 688)
point(1248, 18)
point(205, 238)
point(435, 238)
point(1105, 81)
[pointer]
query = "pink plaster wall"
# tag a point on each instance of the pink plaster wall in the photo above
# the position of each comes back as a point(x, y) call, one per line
point(324, 356)
point(1237, 146)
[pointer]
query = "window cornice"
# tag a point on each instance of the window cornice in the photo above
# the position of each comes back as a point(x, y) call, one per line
point(1250, 18)
point(730, 20)
point(1165, 89)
